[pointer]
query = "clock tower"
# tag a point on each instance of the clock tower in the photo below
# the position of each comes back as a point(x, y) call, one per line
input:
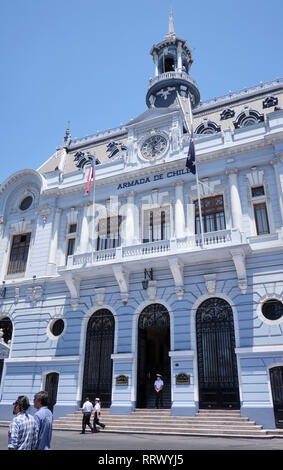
point(173, 59)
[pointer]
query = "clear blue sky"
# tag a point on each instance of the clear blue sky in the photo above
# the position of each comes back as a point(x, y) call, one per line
point(88, 62)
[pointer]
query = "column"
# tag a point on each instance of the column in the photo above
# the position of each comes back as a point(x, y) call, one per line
point(179, 57)
point(236, 208)
point(54, 239)
point(179, 210)
point(274, 163)
point(130, 229)
point(155, 60)
point(84, 240)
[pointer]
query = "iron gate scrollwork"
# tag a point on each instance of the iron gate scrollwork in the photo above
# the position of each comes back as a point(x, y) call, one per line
point(97, 381)
point(217, 364)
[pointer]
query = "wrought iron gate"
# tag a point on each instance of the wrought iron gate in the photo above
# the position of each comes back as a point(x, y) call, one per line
point(276, 379)
point(217, 364)
point(153, 355)
point(97, 381)
point(51, 386)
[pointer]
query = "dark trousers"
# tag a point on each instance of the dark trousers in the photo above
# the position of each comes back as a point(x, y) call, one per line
point(158, 398)
point(86, 421)
point(96, 421)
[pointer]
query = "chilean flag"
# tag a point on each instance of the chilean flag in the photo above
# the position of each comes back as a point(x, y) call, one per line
point(89, 177)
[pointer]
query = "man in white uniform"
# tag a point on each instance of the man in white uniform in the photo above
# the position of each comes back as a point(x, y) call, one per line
point(87, 409)
point(158, 387)
point(96, 415)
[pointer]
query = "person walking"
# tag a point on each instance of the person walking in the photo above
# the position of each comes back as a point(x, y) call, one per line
point(22, 434)
point(44, 420)
point(158, 387)
point(97, 408)
point(87, 410)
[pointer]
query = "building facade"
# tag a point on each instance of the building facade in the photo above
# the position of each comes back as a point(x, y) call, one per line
point(98, 305)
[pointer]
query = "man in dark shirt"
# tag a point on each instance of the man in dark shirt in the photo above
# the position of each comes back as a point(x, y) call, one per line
point(44, 420)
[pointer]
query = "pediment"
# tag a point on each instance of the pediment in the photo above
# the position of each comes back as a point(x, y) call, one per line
point(150, 114)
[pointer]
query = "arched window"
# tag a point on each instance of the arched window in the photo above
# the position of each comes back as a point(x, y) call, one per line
point(207, 127)
point(6, 329)
point(248, 118)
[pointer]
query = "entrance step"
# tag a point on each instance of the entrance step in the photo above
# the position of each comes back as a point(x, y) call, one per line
point(152, 421)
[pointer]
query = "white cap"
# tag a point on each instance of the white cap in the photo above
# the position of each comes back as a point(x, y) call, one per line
point(97, 399)
point(158, 375)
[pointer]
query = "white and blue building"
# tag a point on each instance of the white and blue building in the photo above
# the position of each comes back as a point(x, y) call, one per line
point(98, 306)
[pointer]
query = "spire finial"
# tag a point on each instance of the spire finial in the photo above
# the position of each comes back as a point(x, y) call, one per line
point(171, 23)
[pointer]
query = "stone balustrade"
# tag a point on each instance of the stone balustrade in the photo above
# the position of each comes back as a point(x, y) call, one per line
point(211, 240)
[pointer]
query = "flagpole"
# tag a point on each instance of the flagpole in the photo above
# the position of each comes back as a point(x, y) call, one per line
point(190, 129)
point(93, 212)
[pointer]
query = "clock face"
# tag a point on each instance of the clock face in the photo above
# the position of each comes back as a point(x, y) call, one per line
point(154, 146)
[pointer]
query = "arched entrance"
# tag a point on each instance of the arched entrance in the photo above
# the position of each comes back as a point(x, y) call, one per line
point(217, 363)
point(97, 381)
point(153, 357)
point(51, 386)
point(276, 380)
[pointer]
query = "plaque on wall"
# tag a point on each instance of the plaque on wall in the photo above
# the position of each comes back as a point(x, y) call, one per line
point(122, 380)
point(183, 379)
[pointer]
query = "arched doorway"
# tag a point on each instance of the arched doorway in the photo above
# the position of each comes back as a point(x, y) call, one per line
point(97, 381)
point(6, 331)
point(51, 386)
point(153, 357)
point(276, 380)
point(217, 363)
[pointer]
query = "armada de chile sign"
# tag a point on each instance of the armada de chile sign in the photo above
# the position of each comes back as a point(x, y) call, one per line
point(149, 179)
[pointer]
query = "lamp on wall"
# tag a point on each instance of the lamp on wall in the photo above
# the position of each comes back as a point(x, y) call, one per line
point(147, 274)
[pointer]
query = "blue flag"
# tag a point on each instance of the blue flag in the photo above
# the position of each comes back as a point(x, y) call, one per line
point(191, 158)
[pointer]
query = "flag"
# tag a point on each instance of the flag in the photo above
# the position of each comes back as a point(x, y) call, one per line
point(191, 158)
point(89, 177)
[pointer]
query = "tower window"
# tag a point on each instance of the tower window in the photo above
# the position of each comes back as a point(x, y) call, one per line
point(169, 64)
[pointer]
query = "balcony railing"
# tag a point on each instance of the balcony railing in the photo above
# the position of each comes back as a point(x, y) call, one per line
point(170, 75)
point(159, 248)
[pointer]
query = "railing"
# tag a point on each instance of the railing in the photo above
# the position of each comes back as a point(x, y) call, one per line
point(158, 248)
point(169, 75)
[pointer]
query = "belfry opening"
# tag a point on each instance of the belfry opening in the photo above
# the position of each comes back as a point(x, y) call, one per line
point(153, 355)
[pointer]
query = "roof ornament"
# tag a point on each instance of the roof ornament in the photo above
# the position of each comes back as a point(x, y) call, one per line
point(67, 137)
point(171, 31)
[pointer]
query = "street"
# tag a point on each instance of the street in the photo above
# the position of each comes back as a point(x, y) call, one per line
point(70, 440)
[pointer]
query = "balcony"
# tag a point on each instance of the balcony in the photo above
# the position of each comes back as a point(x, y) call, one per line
point(172, 75)
point(189, 247)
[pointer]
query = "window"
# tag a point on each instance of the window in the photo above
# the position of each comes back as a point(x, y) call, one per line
point(71, 246)
point(72, 228)
point(57, 327)
point(26, 203)
point(71, 240)
point(248, 118)
point(261, 220)
point(109, 233)
point(272, 309)
point(156, 224)
point(213, 215)
point(19, 253)
point(207, 127)
point(258, 191)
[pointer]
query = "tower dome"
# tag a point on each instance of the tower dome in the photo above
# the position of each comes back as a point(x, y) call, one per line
point(173, 59)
